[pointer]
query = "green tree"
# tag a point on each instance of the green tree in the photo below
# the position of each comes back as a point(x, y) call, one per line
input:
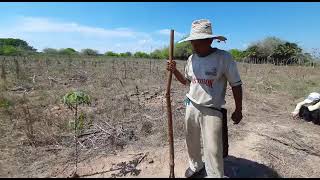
point(140, 54)
point(50, 51)
point(160, 53)
point(277, 51)
point(15, 47)
point(68, 51)
point(268, 45)
point(126, 54)
point(89, 52)
point(157, 54)
point(287, 53)
point(252, 51)
point(237, 54)
point(8, 50)
point(17, 43)
point(111, 54)
point(262, 50)
point(182, 50)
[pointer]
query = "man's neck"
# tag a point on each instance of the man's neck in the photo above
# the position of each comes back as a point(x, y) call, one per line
point(208, 52)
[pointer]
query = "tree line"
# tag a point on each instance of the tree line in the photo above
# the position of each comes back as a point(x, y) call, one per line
point(273, 50)
point(18, 47)
point(269, 50)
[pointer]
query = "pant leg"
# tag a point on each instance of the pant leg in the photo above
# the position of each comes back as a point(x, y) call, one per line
point(225, 132)
point(211, 127)
point(193, 138)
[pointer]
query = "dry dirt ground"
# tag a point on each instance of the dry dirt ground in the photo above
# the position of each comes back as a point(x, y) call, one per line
point(263, 145)
point(267, 143)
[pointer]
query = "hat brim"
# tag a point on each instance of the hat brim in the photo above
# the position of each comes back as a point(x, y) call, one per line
point(196, 37)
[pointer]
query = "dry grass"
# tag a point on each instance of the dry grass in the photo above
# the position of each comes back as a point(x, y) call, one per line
point(128, 109)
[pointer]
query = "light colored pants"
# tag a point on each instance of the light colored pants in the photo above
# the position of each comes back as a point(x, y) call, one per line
point(205, 122)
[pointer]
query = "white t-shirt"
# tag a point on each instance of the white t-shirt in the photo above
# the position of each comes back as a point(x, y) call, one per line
point(208, 77)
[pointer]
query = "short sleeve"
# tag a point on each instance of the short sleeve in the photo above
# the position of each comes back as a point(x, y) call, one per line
point(232, 73)
point(186, 70)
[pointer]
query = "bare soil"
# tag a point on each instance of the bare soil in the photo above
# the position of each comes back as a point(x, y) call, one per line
point(125, 132)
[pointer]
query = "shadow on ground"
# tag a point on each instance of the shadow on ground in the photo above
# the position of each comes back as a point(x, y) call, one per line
point(243, 168)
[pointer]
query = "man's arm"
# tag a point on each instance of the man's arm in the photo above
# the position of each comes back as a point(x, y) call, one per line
point(237, 94)
point(233, 77)
point(180, 77)
point(314, 107)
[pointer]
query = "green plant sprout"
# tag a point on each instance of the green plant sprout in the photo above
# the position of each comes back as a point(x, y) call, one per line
point(73, 100)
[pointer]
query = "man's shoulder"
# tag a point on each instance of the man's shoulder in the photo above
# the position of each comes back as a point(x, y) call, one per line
point(190, 57)
point(223, 53)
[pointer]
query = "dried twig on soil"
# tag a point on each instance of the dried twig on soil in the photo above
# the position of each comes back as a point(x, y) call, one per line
point(52, 79)
point(34, 79)
point(308, 151)
point(88, 133)
point(22, 88)
point(124, 167)
point(104, 130)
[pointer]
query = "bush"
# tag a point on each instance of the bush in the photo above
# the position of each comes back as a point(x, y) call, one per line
point(8, 50)
point(111, 54)
point(89, 52)
point(237, 54)
point(126, 54)
point(50, 51)
point(140, 55)
point(5, 103)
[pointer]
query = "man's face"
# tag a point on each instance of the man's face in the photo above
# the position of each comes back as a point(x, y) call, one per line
point(200, 46)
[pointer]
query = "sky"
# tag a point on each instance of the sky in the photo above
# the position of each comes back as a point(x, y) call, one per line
point(145, 26)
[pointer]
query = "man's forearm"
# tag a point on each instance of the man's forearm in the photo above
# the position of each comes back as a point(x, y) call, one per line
point(237, 94)
point(180, 77)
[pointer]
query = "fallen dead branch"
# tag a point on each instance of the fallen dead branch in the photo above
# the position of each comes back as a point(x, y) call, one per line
point(308, 151)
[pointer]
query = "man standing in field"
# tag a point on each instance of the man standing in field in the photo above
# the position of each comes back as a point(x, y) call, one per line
point(206, 73)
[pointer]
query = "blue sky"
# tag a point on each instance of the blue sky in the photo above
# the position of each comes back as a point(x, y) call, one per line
point(136, 26)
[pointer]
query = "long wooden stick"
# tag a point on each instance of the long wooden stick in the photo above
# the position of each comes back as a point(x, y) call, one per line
point(169, 112)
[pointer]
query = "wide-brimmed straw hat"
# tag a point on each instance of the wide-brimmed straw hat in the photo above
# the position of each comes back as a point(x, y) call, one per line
point(201, 29)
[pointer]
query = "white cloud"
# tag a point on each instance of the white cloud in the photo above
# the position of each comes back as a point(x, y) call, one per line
point(42, 33)
point(40, 25)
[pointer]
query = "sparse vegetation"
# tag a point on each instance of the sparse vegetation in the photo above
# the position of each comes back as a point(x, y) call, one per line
point(128, 109)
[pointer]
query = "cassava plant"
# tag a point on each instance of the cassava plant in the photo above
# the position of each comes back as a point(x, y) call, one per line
point(73, 100)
